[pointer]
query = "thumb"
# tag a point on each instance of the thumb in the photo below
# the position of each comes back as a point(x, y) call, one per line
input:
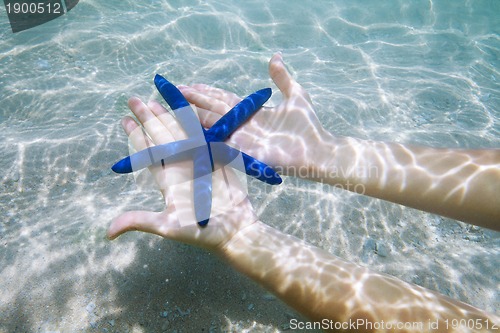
point(137, 220)
point(281, 76)
point(283, 80)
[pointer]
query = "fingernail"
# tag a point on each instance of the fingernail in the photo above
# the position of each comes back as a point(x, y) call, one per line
point(278, 56)
point(152, 102)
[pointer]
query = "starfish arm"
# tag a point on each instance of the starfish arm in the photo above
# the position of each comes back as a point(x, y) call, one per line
point(202, 186)
point(201, 146)
point(168, 153)
point(260, 170)
point(226, 155)
point(184, 114)
point(238, 115)
point(174, 98)
point(223, 154)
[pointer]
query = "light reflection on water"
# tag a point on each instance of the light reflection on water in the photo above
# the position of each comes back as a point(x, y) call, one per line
point(422, 73)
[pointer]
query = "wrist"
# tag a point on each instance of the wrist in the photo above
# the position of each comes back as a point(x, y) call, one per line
point(241, 240)
point(346, 162)
point(325, 158)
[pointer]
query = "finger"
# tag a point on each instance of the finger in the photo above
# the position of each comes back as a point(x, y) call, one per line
point(281, 77)
point(227, 97)
point(202, 100)
point(129, 125)
point(168, 120)
point(138, 138)
point(157, 109)
point(207, 118)
point(144, 221)
point(141, 111)
point(154, 127)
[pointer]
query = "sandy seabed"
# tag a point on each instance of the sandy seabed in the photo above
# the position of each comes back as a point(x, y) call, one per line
point(390, 70)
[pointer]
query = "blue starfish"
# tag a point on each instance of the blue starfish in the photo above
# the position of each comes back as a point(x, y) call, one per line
point(203, 146)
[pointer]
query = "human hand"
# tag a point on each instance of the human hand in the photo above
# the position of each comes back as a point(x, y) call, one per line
point(282, 136)
point(231, 209)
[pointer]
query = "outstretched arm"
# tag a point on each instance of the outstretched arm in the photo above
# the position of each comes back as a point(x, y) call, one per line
point(461, 184)
point(330, 290)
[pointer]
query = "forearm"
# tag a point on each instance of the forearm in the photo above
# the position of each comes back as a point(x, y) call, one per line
point(461, 184)
point(322, 286)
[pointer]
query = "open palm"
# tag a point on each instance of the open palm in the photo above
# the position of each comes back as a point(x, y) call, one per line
point(281, 136)
point(231, 210)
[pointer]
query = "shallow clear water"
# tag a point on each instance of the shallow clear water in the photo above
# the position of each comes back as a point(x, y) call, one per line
point(425, 72)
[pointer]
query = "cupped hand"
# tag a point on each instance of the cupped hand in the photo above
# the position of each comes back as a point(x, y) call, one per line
point(231, 209)
point(282, 136)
